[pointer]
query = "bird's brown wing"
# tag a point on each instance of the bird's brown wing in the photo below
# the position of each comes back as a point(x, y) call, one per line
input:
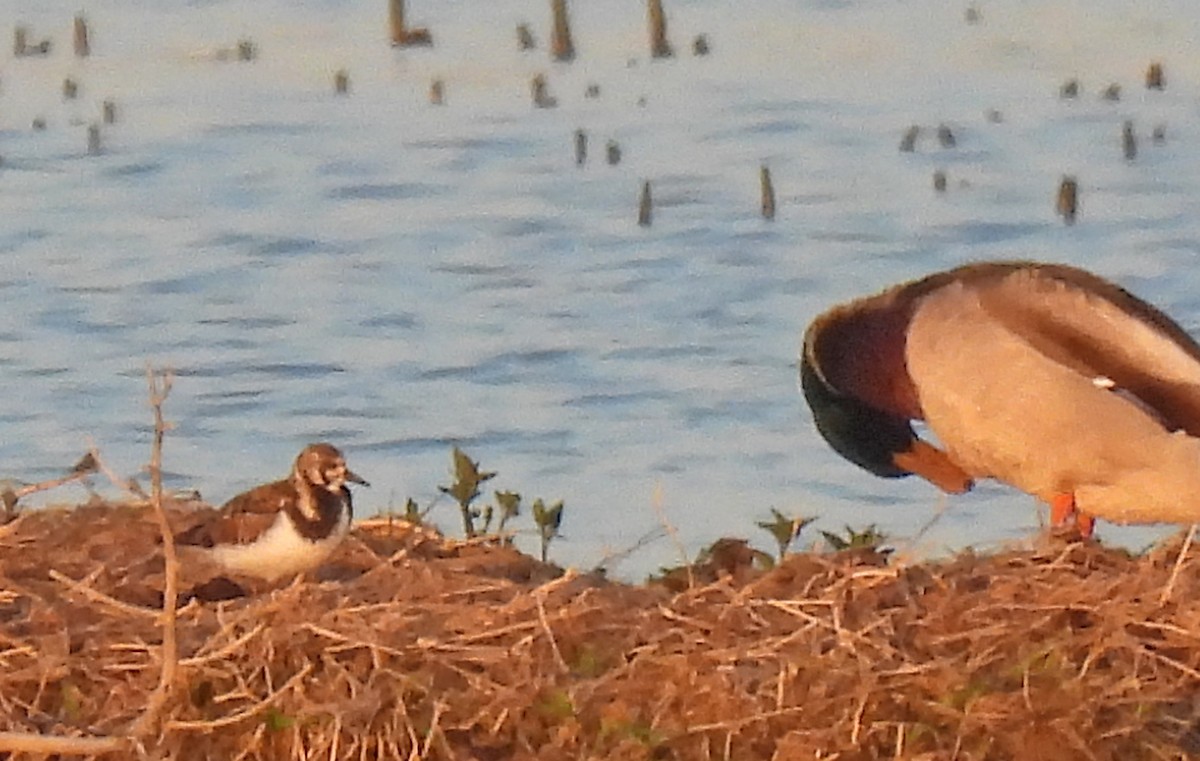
point(1103, 332)
point(240, 520)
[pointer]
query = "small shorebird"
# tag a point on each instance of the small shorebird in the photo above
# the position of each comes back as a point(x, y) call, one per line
point(282, 528)
point(1043, 376)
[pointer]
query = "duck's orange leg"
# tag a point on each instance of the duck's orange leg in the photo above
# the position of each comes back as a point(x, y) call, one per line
point(1062, 509)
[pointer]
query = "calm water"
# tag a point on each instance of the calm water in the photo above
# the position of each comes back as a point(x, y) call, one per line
point(397, 278)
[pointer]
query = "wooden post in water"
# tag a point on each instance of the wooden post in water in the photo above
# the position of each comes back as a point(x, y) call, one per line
point(437, 93)
point(540, 92)
point(939, 181)
point(525, 39)
point(1068, 199)
point(1128, 141)
point(767, 192)
point(93, 139)
point(396, 30)
point(246, 50)
point(909, 142)
point(659, 47)
point(645, 212)
point(20, 40)
point(70, 89)
point(580, 147)
point(109, 112)
point(562, 48)
point(82, 48)
point(612, 152)
point(341, 82)
point(401, 35)
point(1154, 77)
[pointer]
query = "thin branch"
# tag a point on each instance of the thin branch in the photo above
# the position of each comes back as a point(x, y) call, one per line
point(25, 742)
point(1183, 551)
point(97, 596)
point(127, 485)
point(159, 387)
point(656, 501)
point(253, 710)
point(612, 558)
point(228, 649)
point(558, 657)
point(82, 470)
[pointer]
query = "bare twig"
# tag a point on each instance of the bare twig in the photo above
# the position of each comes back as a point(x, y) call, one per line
point(657, 503)
point(98, 596)
point(127, 485)
point(84, 468)
point(24, 742)
point(1183, 551)
point(159, 387)
point(253, 710)
point(612, 558)
point(228, 649)
point(558, 657)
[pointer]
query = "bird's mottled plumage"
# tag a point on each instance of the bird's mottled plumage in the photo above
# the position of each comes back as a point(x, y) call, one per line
point(1043, 376)
point(284, 527)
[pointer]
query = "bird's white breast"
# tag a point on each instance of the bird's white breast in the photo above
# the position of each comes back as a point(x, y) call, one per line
point(280, 551)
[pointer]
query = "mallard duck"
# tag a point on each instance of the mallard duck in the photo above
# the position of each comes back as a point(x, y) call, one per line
point(1042, 376)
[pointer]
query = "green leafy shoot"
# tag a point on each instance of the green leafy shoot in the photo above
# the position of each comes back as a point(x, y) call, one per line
point(277, 721)
point(869, 538)
point(465, 489)
point(548, 519)
point(509, 503)
point(412, 513)
point(784, 529)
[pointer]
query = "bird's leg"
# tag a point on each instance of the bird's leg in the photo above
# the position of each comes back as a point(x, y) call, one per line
point(1063, 508)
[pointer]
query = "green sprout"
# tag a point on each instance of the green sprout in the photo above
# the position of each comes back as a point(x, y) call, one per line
point(548, 519)
point(508, 505)
point(467, 479)
point(869, 538)
point(785, 530)
point(412, 513)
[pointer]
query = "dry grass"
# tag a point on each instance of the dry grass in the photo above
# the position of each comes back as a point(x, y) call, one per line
point(414, 646)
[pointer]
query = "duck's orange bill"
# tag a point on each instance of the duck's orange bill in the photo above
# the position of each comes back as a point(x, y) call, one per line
point(935, 466)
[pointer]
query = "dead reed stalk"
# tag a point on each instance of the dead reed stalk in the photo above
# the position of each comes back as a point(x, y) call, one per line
point(82, 47)
point(399, 31)
point(645, 206)
point(766, 192)
point(1067, 203)
point(159, 383)
point(659, 47)
point(562, 47)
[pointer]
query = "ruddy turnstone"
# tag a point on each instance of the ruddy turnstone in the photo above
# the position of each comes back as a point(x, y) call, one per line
point(282, 528)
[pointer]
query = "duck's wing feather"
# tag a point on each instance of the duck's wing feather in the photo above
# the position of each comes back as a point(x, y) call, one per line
point(1101, 331)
